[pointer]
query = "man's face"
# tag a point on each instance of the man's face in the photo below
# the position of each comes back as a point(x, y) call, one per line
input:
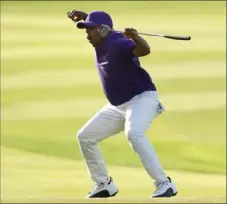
point(93, 35)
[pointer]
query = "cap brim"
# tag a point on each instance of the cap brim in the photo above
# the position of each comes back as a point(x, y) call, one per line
point(82, 25)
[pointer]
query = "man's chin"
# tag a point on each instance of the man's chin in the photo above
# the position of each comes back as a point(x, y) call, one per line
point(93, 45)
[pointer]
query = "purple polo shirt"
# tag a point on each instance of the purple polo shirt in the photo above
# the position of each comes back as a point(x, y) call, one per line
point(119, 70)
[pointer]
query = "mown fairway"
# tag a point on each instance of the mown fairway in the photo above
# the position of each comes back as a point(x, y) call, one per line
point(50, 88)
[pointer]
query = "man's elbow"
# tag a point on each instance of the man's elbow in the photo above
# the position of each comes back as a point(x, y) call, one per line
point(141, 53)
point(145, 52)
point(148, 51)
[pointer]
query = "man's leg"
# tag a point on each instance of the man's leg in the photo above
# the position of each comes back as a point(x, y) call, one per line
point(107, 122)
point(139, 114)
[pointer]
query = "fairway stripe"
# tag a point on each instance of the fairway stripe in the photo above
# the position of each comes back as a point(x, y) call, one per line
point(43, 52)
point(55, 21)
point(60, 51)
point(40, 110)
point(29, 37)
point(77, 76)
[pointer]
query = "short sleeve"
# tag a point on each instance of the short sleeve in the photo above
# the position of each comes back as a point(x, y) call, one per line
point(126, 46)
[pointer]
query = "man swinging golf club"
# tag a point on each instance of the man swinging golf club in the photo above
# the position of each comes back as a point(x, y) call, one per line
point(133, 102)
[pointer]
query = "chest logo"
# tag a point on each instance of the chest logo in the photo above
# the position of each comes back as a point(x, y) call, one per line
point(102, 65)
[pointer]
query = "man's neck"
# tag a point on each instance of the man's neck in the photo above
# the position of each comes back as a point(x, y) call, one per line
point(103, 39)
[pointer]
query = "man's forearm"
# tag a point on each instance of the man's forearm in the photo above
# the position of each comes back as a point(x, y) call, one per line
point(142, 48)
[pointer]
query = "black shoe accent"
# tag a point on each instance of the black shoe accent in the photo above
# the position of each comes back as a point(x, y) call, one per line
point(102, 194)
point(110, 180)
point(169, 179)
point(174, 194)
point(168, 193)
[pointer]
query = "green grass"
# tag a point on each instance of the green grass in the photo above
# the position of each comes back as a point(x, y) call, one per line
point(164, 86)
point(199, 150)
point(39, 178)
point(50, 88)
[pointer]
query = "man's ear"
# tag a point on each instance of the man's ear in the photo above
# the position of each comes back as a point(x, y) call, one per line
point(104, 30)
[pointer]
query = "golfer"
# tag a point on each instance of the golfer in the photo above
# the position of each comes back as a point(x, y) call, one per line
point(133, 102)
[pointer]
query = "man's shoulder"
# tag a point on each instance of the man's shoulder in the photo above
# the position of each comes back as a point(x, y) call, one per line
point(118, 39)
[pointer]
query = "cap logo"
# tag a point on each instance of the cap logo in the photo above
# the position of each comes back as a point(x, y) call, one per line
point(88, 18)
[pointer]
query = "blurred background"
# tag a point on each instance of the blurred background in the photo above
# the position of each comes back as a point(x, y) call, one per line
point(50, 88)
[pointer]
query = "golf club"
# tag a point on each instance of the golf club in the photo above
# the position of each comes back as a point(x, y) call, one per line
point(165, 36)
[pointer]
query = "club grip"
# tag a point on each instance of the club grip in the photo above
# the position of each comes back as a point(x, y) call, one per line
point(178, 37)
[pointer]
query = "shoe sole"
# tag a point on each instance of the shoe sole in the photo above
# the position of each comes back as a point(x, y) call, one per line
point(114, 194)
point(102, 194)
point(168, 193)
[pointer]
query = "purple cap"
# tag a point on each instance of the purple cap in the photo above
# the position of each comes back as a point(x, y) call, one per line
point(96, 18)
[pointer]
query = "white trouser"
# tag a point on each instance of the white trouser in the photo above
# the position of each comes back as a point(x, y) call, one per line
point(134, 117)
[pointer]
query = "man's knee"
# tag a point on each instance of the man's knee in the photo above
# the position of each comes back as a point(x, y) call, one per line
point(133, 135)
point(80, 134)
point(83, 137)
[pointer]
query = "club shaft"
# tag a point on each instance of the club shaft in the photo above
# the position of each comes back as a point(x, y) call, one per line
point(165, 36)
point(152, 34)
point(149, 34)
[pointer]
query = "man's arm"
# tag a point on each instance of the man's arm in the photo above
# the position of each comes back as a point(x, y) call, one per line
point(141, 46)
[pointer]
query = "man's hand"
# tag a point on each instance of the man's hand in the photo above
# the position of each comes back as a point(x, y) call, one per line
point(141, 46)
point(77, 15)
point(130, 33)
